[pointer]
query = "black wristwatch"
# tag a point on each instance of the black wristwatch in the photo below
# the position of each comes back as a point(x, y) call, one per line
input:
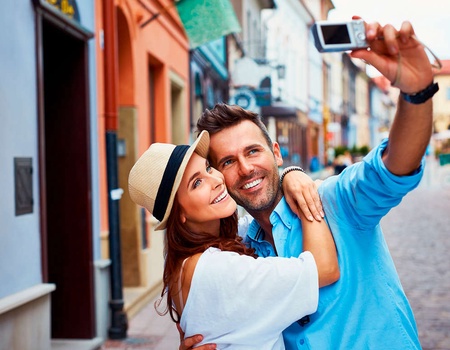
point(421, 96)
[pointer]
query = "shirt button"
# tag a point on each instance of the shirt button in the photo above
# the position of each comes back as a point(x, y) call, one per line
point(302, 341)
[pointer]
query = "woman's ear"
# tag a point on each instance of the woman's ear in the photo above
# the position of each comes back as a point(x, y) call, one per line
point(182, 217)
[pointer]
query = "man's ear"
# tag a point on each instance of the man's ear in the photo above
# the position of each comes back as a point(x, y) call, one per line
point(277, 154)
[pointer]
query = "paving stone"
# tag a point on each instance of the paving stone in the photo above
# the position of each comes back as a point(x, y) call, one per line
point(418, 235)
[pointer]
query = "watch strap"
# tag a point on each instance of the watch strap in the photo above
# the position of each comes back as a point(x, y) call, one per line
point(421, 96)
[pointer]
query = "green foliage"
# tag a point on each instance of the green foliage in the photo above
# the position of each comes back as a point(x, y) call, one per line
point(340, 150)
point(364, 150)
point(355, 151)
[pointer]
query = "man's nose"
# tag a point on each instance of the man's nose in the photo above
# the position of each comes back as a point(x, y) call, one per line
point(245, 167)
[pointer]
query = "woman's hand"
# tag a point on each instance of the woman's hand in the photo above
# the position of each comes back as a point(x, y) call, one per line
point(301, 193)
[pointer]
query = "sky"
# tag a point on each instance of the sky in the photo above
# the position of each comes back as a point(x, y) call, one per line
point(430, 18)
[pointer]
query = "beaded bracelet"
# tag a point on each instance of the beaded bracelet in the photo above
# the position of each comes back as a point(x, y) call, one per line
point(288, 170)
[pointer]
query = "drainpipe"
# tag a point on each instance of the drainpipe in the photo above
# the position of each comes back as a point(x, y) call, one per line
point(119, 322)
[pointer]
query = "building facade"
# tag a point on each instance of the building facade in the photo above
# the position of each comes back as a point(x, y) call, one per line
point(144, 97)
point(441, 111)
point(49, 213)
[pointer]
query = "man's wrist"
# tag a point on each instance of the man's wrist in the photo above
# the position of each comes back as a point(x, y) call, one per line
point(421, 96)
point(288, 170)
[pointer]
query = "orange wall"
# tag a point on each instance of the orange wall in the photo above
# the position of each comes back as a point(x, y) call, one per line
point(161, 43)
point(101, 120)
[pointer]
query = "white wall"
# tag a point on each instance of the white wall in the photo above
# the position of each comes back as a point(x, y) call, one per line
point(287, 44)
point(20, 247)
point(20, 263)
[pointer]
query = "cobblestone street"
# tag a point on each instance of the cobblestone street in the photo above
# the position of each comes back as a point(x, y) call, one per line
point(417, 232)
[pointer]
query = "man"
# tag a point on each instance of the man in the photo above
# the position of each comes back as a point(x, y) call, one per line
point(366, 308)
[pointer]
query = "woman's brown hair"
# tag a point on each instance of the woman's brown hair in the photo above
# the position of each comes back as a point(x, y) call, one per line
point(181, 243)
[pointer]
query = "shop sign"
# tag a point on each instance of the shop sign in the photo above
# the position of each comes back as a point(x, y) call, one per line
point(244, 98)
point(68, 7)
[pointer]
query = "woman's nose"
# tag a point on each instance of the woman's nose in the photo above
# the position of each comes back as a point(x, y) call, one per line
point(216, 180)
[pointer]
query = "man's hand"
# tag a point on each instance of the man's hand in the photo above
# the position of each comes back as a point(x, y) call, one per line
point(301, 193)
point(398, 55)
point(401, 58)
point(188, 343)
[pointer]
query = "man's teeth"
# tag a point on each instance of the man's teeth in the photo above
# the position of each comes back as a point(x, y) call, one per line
point(222, 196)
point(252, 184)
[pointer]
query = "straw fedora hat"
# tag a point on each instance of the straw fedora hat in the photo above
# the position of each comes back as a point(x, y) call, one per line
point(154, 179)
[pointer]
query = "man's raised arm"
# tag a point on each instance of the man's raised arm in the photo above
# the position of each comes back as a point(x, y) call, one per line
point(401, 58)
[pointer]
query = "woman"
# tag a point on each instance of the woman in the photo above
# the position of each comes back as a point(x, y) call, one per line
point(214, 283)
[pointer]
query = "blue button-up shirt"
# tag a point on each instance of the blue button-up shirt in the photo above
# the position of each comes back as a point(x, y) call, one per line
point(367, 308)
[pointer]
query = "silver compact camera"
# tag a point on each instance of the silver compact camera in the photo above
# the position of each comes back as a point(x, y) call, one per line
point(339, 36)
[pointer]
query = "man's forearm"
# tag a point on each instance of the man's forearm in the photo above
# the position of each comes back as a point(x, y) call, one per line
point(409, 136)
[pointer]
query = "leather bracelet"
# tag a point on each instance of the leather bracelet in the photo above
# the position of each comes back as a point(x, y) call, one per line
point(421, 96)
point(288, 170)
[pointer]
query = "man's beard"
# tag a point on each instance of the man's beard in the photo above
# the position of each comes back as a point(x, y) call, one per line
point(260, 201)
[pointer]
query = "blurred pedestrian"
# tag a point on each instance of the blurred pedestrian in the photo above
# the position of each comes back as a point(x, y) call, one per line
point(331, 155)
point(348, 159)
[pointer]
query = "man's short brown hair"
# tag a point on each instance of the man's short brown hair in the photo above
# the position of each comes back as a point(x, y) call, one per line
point(223, 116)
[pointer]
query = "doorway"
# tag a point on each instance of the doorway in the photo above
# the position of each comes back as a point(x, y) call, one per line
point(65, 180)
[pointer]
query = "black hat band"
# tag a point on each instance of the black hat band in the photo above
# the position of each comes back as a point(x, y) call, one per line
point(168, 179)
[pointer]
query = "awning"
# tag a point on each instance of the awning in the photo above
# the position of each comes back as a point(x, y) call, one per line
point(207, 20)
point(280, 110)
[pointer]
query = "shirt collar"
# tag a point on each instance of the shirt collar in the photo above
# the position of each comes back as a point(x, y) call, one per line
point(280, 213)
point(283, 213)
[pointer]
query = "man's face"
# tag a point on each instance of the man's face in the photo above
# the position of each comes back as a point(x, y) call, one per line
point(249, 166)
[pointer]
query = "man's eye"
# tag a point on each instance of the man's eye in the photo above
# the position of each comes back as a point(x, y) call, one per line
point(253, 151)
point(226, 163)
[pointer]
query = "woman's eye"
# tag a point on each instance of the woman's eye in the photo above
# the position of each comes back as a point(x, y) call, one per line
point(208, 168)
point(196, 183)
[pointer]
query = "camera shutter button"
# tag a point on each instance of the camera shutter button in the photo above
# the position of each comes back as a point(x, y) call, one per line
point(361, 36)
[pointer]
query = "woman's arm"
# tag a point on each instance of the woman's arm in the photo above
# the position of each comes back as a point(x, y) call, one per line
point(301, 194)
point(188, 343)
point(317, 239)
